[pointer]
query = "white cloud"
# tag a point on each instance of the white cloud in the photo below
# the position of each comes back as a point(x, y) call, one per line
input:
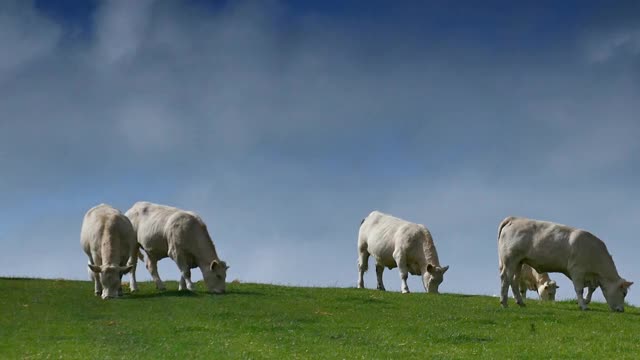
point(150, 127)
point(616, 42)
point(121, 28)
point(25, 36)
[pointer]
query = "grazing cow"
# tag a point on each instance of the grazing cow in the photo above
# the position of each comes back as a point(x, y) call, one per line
point(396, 242)
point(550, 247)
point(530, 279)
point(109, 241)
point(165, 231)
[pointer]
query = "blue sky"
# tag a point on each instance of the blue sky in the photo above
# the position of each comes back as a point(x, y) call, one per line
point(284, 123)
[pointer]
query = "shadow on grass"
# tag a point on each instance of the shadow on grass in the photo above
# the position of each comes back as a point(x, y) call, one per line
point(244, 292)
point(19, 279)
point(463, 295)
point(160, 294)
point(188, 294)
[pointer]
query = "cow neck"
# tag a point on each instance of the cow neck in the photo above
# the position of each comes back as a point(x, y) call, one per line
point(542, 278)
point(430, 252)
point(613, 278)
point(207, 251)
point(109, 245)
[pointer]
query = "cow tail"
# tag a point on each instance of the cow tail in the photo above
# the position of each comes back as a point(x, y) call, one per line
point(363, 219)
point(504, 223)
point(140, 256)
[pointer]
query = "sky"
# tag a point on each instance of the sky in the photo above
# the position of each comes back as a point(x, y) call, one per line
point(284, 123)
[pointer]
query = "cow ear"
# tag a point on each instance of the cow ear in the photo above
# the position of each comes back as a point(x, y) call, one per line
point(96, 269)
point(430, 268)
point(213, 265)
point(625, 284)
point(444, 269)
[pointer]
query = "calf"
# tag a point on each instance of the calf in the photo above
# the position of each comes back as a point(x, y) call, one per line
point(530, 279)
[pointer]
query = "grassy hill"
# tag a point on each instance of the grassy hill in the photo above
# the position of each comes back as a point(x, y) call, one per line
point(57, 318)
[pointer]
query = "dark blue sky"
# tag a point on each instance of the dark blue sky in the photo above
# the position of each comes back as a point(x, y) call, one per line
point(501, 24)
point(283, 123)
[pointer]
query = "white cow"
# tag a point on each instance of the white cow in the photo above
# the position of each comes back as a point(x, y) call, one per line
point(530, 279)
point(396, 242)
point(550, 247)
point(165, 231)
point(109, 241)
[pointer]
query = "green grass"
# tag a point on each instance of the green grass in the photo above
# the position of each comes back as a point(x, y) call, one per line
point(57, 318)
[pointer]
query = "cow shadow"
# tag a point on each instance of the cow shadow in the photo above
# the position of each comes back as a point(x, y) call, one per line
point(461, 295)
point(188, 294)
point(161, 294)
point(243, 292)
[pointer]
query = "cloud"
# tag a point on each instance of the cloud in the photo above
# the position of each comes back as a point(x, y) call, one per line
point(28, 35)
point(121, 28)
point(283, 129)
point(621, 42)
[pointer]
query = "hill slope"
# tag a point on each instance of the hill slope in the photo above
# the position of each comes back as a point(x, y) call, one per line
point(41, 318)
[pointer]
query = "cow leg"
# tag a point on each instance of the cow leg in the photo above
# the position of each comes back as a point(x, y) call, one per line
point(185, 281)
point(97, 289)
point(379, 270)
point(185, 270)
point(578, 285)
point(133, 283)
point(363, 266)
point(515, 284)
point(404, 275)
point(589, 294)
point(507, 278)
point(152, 266)
point(523, 293)
point(120, 292)
point(504, 286)
point(401, 261)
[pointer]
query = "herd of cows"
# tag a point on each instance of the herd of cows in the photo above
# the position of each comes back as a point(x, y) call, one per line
point(527, 251)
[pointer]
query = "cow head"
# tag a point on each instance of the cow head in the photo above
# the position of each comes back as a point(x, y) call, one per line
point(110, 277)
point(215, 277)
point(432, 278)
point(615, 293)
point(547, 291)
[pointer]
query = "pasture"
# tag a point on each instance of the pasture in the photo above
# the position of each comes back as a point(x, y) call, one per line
point(63, 319)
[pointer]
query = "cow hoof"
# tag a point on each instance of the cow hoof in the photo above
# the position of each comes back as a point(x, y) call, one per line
point(521, 304)
point(381, 288)
point(98, 293)
point(504, 304)
point(406, 291)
